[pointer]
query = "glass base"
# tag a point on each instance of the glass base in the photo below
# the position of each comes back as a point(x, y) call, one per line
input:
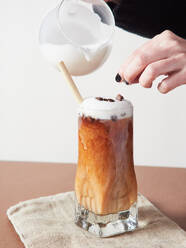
point(107, 225)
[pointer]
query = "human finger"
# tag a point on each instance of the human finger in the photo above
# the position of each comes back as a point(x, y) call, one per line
point(161, 67)
point(160, 47)
point(172, 81)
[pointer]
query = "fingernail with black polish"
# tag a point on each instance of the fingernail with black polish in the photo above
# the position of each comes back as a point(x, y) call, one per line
point(118, 78)
point(125, 82)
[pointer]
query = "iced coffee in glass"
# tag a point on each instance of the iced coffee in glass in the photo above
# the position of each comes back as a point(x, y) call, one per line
point(105, 184)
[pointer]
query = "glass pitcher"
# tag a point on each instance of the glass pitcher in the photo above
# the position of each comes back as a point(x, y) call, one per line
point(79, 33)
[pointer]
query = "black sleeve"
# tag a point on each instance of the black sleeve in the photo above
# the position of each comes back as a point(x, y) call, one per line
point(150, 17)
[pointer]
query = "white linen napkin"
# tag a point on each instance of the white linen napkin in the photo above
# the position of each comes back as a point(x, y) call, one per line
point(47, 222)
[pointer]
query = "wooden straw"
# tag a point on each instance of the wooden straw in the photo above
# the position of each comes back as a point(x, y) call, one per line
point(70, 81)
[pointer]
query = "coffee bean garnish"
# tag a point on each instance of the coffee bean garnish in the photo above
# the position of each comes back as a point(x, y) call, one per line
point(114, 118)
point(118, 78)
point(100, 98)
point(123, 114)
point(111, 100)
point(89, 118)
point(119, 97)
point(105, 99)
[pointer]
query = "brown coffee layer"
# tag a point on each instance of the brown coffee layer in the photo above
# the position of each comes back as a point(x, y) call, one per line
point(105, 179)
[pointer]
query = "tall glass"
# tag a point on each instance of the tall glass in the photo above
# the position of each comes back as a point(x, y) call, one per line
point(105, 185)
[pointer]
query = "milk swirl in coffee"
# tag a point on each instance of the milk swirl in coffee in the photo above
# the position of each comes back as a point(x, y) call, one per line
point(105, 180)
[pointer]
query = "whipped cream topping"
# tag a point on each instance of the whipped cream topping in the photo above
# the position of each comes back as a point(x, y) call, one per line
point(105, 110)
